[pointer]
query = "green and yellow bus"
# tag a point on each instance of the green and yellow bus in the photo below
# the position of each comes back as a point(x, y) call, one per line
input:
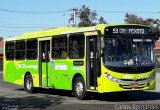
point(102, 58)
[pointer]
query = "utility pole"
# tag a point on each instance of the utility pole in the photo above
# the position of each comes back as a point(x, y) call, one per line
point(73, 16)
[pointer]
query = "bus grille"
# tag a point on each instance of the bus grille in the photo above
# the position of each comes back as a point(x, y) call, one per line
point(134, 80)
point(128, 86)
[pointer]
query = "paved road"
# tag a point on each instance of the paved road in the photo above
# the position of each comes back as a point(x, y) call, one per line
point(13, 96)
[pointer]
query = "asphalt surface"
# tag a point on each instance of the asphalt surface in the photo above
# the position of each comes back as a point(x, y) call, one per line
point(13, 97)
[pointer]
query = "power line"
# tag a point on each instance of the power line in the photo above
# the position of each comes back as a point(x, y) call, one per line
point(2, 26)
point(141, 12)
point(62, 11)
point(32, 12)
point(15, 30)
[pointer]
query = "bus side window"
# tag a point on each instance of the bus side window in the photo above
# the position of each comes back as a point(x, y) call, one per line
point(9, 49)
point(76, 46)
point(55, 53)
point(31, 49)
point(20, 50)
point(59, 47)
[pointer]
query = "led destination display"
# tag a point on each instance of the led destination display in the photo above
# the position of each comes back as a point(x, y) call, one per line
point(127, 30)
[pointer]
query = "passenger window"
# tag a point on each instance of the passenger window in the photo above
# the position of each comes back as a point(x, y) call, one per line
point(20, 50)
point(9, 50)
point(31, 50)
point(76, 46)
point(59, 47)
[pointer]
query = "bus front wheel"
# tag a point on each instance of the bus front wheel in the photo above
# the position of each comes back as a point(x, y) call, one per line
point(79, 88)
point(28, 84)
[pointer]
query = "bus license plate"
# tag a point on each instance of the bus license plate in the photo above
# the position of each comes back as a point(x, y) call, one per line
point(135, 85)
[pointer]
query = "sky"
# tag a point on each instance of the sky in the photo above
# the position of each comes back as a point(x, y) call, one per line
point(14, 24)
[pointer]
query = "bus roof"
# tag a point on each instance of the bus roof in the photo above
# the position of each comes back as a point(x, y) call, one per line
point(51, 32)
point(63, 30)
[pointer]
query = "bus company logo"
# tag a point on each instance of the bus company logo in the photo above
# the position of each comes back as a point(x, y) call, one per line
point(27, 66)
point(61, 67)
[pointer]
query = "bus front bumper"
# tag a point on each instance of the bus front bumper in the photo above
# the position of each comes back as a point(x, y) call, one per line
point(111, 86)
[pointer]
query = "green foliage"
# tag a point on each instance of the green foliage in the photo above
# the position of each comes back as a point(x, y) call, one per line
point(102, 20)
point(87, 17)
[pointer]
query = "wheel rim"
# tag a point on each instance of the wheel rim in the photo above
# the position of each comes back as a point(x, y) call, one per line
point(79, 88)
point(29, 84)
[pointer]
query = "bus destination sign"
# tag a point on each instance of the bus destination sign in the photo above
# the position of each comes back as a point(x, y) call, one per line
point(128, 30)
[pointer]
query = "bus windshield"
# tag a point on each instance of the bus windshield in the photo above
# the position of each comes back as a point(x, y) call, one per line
point(122, 51)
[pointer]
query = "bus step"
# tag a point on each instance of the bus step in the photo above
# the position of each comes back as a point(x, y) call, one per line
point(92, 88)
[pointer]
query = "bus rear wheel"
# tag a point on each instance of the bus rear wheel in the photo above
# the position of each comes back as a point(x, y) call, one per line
point(79, 88)
point(28, 84)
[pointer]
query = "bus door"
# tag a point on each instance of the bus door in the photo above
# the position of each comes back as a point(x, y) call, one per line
point(44, 63)
point(92, 62)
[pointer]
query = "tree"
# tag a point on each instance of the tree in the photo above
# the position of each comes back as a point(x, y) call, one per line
point(133, 19)
point(102, 20)
point(87, 17)
point(153, 23)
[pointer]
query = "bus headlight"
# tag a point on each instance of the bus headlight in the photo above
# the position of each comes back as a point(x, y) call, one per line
point(112, 78)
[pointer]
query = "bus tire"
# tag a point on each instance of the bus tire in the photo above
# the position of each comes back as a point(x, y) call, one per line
point(79, 88)
point(28, 84)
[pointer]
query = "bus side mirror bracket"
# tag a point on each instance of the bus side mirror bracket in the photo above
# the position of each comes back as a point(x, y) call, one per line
point(102, 44)
point(102, 54)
